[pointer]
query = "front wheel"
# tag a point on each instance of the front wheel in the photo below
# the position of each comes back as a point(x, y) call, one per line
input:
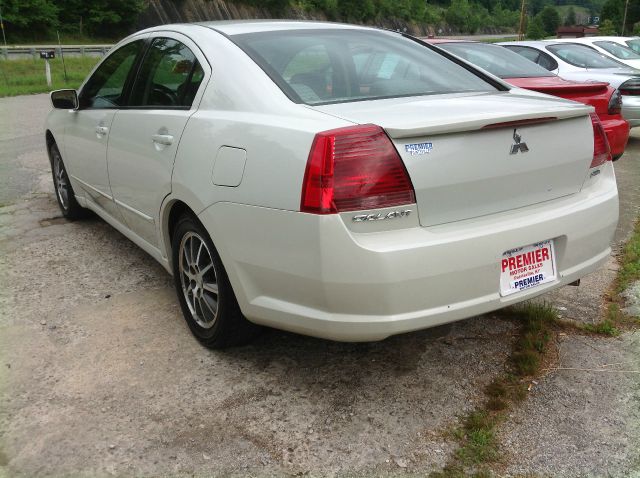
point(206, 297)
point(64, 192)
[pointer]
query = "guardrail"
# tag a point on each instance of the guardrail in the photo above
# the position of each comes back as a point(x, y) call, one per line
point(33, 51)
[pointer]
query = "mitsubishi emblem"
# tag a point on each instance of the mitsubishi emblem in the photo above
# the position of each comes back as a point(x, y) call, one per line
point(519, 145)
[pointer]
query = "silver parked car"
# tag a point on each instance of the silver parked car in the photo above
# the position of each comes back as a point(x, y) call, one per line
point(574, 61)
point(332, 180)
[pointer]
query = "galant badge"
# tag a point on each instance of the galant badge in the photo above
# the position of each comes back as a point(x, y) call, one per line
point(519, 145)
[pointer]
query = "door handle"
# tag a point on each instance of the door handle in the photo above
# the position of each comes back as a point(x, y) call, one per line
point(164, 139)
point(101, 130)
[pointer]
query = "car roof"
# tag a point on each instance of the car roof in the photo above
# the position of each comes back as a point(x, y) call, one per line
point(446, 40)
point(534, 43)
point(236, 27)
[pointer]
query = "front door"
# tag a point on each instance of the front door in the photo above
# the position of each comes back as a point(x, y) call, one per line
point(88, 130)
point(144, 137)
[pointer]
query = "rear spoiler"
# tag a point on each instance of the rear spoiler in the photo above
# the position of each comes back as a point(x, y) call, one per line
point(488, 122)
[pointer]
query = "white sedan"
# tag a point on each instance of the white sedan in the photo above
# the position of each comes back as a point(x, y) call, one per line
point(331, 180)
point(613, 47)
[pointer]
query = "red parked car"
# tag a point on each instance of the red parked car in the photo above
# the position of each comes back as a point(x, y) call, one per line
point(523, 73)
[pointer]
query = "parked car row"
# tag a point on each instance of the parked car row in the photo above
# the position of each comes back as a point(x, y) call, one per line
point(525, 74)
point(579, 61)
point(339, 181)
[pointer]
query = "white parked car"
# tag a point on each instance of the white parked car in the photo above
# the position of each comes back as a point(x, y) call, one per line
point(573, 61)
point(630, 42)
point(608, 46)
point(331, 180)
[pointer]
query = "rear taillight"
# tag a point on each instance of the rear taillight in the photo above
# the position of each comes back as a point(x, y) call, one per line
point(601, 150)
point(630, 87)
point(354, 168)
point(615, 103)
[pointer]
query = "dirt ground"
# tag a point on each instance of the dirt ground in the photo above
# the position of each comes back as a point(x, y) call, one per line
point(99, 375)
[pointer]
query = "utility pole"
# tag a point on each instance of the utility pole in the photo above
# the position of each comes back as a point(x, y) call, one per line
point(521, 29)
point(4, 38)
point(624, 18)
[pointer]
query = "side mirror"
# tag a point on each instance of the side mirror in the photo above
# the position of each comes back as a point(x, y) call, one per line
point(64, 99)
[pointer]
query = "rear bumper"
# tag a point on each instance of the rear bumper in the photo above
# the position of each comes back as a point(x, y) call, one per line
point(631, 109)
point(314, 275)
point(617, 130)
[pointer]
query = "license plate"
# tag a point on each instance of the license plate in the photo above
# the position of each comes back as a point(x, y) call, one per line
point(527, 267)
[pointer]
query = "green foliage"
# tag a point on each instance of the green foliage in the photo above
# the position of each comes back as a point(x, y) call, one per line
point(33, 20)
point(614, 10)
point(37, 19)
point(30, 14)
point(98, 17)
point(550, 19)
point(570, 20)
point(607, 28)
point(629, 271)
point(535, 29)
point(462, 16)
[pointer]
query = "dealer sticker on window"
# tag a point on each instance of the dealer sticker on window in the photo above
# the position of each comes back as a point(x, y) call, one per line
point(527, 267)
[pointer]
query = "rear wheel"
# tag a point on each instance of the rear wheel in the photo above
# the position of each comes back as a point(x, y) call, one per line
point(207, 300)
point(64, 191)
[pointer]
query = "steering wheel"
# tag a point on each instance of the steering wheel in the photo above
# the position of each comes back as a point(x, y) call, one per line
point(164, 95)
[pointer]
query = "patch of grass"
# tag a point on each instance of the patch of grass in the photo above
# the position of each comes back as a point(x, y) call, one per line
point(480, 444)
point(605, 327)
point(608, 325)
point(629, 271)
point(26, 76)
point(479, 447)
point(535, 334)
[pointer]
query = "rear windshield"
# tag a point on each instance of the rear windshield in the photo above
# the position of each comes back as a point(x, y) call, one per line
point(617, 50)
point(583, 56)
point(496, 59)
point(634, 44)
point(334, 66)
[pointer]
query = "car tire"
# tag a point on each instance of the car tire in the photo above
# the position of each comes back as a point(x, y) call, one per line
point(64, 191)
point(206, 297)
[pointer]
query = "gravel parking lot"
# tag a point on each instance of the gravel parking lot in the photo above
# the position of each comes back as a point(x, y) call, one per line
point(100, 376)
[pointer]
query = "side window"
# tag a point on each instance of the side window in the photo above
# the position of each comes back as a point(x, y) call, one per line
point(106, 86)
point(528, 53)
point(547, 62)
point(169, 76)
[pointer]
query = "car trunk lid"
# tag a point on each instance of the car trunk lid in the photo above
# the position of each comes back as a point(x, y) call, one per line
point(476, 154)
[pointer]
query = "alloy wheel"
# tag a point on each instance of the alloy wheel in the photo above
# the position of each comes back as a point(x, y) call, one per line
point(60, 180)
point(198, 279)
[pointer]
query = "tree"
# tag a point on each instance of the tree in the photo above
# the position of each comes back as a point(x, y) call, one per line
point(550, 19)
point(535, 29)
point(99, 17)
point(461, 15)
point(570, 19)
point(607, 28)
point(29, 16)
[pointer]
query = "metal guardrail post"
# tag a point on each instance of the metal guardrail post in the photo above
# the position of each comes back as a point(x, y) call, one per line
point(5, 53)
point(81, 51)
point(33, 53)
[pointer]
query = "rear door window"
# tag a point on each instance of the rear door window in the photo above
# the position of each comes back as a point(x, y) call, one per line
point(169, 76)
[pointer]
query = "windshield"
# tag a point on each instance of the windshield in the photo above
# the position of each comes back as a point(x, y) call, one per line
point(583, 56)
point(496, 59)
point(337, 65)
point(634, 44)
point(617, 50)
